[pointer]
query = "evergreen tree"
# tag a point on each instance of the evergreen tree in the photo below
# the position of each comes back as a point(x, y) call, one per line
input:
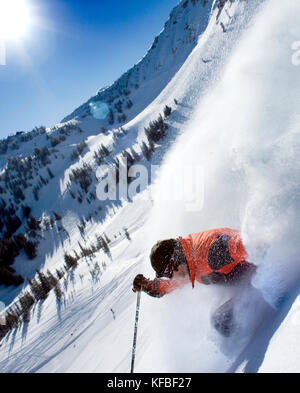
point(58, 291)
point(45, 282)
point(59, 274)
point(127, 234)
point(26, 302)
point(50, 173)
point(70, 261)
point(36, 289)
point(167, 111)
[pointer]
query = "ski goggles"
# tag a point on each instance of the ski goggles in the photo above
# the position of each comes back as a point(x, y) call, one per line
point(168, 272)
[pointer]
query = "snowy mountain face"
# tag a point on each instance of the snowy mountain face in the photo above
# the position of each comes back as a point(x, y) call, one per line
point(216, 96)
point(140, 85)
point(49, 172)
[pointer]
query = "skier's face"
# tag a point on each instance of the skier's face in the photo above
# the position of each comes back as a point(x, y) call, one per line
point(173, 271)
point(180, 272)
point(168, 272)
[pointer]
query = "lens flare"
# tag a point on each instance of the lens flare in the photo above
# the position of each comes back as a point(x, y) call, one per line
point(99, 110)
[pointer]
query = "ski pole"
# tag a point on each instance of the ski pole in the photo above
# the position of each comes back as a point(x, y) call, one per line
point(138, 299)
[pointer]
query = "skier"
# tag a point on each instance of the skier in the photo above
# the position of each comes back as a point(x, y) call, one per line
point(215, 256)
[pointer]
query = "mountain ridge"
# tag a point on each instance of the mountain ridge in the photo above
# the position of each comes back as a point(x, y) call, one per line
point(194, 14)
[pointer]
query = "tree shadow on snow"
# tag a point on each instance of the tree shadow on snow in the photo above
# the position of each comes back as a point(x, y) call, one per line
point(178, 116)
point(58, 308)
point(39, 310)
point(12, 336)
point(24, 331)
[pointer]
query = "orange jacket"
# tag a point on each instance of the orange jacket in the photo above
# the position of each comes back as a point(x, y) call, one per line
point(212, 256)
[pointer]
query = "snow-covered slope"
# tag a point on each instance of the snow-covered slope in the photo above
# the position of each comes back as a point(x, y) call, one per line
point(142, 83)
point(63, 160)
point(236, 124)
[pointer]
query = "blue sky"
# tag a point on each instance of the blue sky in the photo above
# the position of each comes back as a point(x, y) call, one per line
point(71, 49)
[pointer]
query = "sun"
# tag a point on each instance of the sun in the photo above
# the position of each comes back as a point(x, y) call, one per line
point(14, 18)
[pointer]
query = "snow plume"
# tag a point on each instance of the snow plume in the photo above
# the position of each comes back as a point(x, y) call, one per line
point(246, 136)
point(180, 332)
point(267, 145)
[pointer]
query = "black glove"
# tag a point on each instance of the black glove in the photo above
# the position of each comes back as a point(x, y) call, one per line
point(139, 282)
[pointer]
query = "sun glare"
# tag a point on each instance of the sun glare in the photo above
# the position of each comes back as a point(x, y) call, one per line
point(14, 18)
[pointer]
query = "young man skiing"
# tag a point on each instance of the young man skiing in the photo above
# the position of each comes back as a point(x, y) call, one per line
point(216, 256)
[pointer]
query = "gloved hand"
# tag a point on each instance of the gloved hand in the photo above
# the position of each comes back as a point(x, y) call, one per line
point(139, 282)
